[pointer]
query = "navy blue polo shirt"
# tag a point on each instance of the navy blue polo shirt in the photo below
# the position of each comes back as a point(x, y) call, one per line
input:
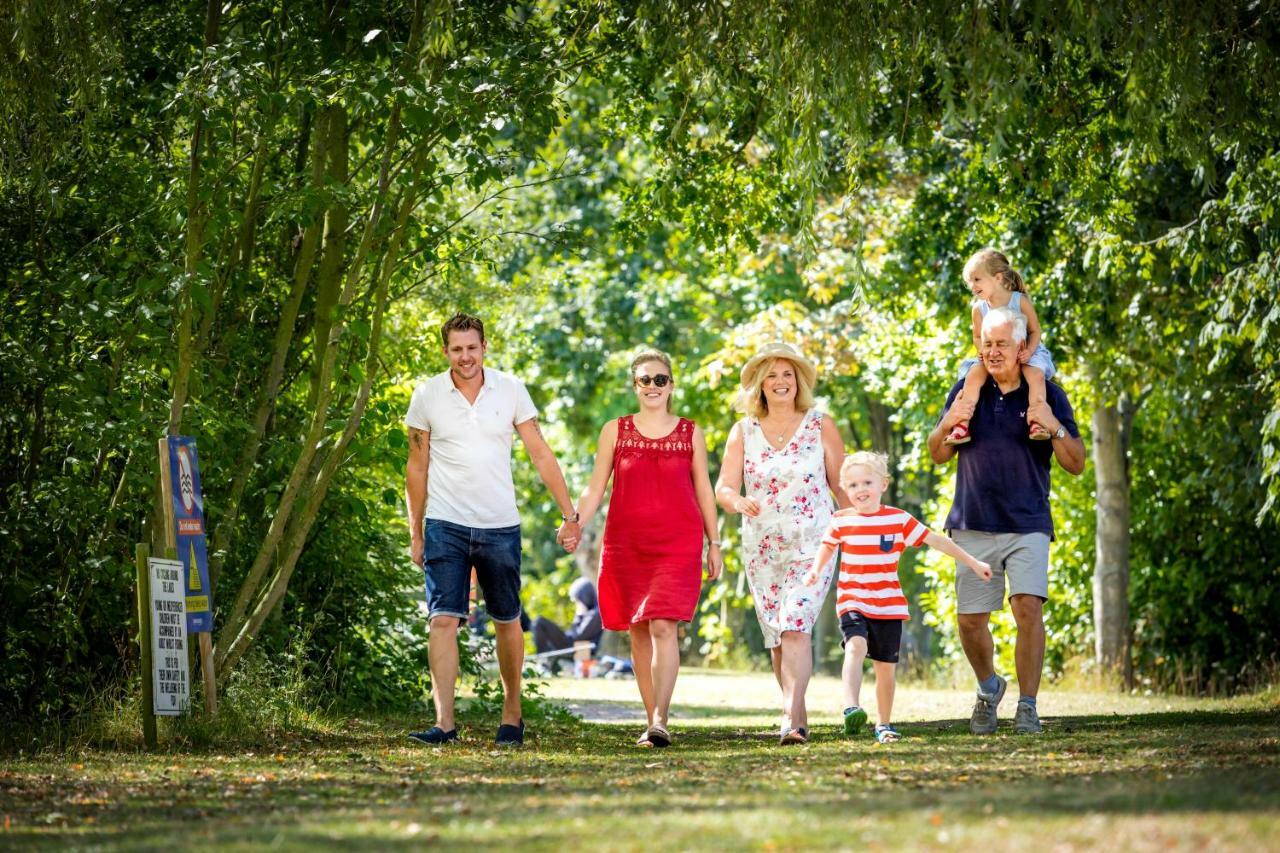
point(1002, 476)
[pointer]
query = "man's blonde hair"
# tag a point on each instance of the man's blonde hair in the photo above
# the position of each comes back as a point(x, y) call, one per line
point(878, 463)
point(751, 400)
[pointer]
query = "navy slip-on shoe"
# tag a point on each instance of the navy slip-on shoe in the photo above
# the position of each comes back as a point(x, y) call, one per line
point(511, 735)
point(435, 736)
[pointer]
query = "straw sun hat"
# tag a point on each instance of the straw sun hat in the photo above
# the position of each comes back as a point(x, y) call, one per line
point(778, 349)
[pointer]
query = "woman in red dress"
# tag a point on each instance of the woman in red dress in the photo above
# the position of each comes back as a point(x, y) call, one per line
point(661, 508)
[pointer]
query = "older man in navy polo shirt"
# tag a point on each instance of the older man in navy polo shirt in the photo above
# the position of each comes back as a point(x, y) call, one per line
point(1000, 513)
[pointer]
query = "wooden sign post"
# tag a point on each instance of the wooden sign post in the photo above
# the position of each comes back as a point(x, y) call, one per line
point(184, 537)
point(143, 554)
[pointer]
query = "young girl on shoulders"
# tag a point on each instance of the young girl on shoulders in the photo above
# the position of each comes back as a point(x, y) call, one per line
point(996, 284)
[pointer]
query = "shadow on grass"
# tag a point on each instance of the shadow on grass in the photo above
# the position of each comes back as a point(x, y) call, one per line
point(370, 789)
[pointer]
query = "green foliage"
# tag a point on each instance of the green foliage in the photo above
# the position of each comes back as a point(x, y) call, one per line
point(591, 178)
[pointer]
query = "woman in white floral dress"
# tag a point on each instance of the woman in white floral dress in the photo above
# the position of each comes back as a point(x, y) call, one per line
point(787, 454)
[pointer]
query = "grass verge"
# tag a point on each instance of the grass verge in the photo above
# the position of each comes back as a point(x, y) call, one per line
point(1140, 776)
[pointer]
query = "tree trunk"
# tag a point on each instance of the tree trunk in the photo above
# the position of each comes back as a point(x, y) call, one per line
point(194, 246)
point(1111, 569)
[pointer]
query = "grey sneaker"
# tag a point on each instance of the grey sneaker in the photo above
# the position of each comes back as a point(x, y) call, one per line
point(1026, 721)
point(983, 721)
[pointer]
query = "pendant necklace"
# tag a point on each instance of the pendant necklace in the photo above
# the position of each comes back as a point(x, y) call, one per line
point(781, 436)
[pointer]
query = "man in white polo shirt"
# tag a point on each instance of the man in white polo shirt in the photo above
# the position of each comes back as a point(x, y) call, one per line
point(459, 479)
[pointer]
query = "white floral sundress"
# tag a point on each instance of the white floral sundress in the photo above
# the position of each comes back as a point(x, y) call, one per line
point(779, 545)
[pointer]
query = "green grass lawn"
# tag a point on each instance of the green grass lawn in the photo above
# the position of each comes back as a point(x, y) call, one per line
point(1109, 771)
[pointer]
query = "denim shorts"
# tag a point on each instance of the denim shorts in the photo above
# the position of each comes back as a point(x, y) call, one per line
point(453, 550)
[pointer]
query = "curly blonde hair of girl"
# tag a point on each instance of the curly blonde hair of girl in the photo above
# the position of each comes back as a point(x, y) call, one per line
point(648, 355)
point(994, 263)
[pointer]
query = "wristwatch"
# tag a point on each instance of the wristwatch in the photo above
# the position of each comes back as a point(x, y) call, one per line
point(1061, 432)
point(570, 519)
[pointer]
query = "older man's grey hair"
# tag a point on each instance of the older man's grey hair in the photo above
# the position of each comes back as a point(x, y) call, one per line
point(998, 317)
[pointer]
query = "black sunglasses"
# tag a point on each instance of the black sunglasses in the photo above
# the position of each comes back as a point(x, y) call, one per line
point(660, 380)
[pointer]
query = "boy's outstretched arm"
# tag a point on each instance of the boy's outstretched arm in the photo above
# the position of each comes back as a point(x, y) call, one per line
point(951, 549)
point(825, 550)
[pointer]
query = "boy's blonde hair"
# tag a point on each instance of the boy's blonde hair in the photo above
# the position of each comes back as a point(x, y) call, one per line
point(993, 262)
point(875, 462)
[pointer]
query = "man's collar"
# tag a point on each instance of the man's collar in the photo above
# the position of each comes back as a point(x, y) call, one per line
point(488, 380)
point(1022, 381)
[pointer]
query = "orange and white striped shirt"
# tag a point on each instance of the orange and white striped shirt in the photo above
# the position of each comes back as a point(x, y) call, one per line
point(870, 546)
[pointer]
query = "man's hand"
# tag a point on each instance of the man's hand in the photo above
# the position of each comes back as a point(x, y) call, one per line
point(1042, 414)
point(569, 536)
point(417, 550)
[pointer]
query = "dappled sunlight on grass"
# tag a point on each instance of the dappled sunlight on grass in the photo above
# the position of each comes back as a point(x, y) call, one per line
point(1109, 770)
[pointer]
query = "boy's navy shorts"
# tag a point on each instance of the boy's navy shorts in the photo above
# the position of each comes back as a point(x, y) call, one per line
point(883, 636)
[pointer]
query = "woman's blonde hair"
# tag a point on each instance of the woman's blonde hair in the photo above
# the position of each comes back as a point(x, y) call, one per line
point(647, 355)
point(993, 262)
point(751, 400)
point(878, 463)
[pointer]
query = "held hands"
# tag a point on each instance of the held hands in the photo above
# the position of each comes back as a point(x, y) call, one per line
point(981, 569)
point(569, 536)
point(746, 505)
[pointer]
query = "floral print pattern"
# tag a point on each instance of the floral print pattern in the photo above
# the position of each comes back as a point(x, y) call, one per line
point(779, 544)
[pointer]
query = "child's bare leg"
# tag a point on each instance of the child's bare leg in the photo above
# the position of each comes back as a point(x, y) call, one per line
point(1036, 393)
point(885, 685)
point(855, 650)
point(973, 382)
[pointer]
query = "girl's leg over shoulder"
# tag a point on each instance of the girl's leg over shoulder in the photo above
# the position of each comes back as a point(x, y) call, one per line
point(973, 382)
point(1036, 393)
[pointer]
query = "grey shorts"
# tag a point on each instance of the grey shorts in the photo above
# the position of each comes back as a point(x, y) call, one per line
point(1021, 558)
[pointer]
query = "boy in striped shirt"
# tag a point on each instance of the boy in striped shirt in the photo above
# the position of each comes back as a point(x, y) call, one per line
point(869, 600)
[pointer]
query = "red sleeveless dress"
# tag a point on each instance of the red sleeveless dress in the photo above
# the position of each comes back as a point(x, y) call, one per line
point(651, 562)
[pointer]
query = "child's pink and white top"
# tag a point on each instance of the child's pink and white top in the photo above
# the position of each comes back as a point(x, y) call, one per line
point(870, 546)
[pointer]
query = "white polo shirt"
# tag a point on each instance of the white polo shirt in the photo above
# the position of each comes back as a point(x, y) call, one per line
point(469, 473)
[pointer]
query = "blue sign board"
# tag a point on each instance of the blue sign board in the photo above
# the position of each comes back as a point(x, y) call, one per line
point(188, 523)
